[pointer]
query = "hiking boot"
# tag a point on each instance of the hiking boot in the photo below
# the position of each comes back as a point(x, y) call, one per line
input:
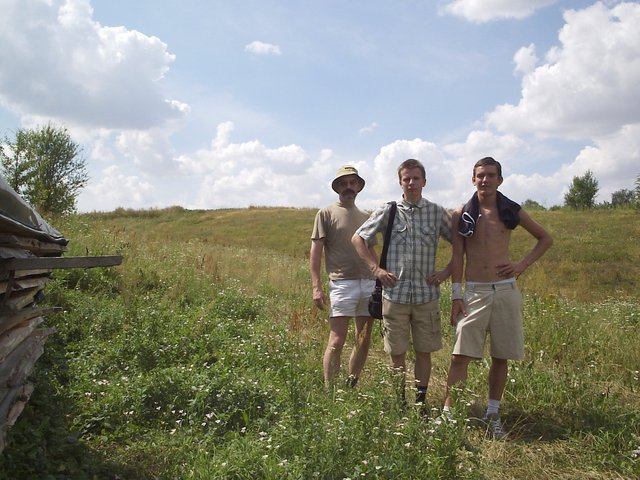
point(494, 425)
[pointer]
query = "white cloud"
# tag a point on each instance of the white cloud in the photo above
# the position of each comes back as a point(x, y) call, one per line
point(480, 11)
point(525, 59)
point(260, 48)
point(368, 128)
point(57, 62)
point(589, 85)
point(150, 150)
point(115, 188)
point(249, 173)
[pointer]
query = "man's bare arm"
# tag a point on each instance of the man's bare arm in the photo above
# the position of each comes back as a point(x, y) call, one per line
point(457, 269)
point(542, 245)
point(368, 255)
point(315, 262)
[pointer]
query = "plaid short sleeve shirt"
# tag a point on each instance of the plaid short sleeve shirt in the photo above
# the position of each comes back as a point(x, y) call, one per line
point(412, 250)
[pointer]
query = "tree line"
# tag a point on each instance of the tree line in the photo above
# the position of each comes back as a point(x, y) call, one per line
point(45, 166)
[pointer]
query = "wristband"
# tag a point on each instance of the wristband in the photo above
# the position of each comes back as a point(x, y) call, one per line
point(456, 291)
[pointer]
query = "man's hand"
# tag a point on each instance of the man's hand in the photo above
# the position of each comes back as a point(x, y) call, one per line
point(457, 309)
point(508, 270)
point(387, 279)
point(319, 298)
point(436, 278)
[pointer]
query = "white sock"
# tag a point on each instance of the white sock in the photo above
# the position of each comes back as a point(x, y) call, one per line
point(493, 406)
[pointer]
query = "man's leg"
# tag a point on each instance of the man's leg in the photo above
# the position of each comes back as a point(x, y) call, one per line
point(398, 363)
point(497, 383)
point(339, 326)
point(364, 325)
point(457, 375)
point(422, 374)
point(497, 378)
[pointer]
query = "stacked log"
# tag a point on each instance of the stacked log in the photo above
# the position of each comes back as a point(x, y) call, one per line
point(29, 250)
point(22, 337)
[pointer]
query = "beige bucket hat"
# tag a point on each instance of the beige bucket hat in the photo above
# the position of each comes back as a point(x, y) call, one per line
point(343, 172)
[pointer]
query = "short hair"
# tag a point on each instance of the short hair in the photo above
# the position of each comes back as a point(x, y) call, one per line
point(409, 164)
point(488, 161)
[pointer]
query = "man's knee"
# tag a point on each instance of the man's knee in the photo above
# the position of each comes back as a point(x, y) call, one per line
point(398, 361)
point(460, 361)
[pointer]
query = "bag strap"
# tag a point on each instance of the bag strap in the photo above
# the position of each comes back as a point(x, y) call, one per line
point(387, 235)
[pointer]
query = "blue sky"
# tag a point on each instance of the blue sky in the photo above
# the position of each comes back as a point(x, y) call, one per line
point(216, 104)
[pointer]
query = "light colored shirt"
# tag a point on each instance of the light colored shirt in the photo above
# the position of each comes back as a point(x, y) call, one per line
point(412, 249)
point(337, 224)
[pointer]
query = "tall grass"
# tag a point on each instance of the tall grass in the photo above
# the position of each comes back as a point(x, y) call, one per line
point(200, 358)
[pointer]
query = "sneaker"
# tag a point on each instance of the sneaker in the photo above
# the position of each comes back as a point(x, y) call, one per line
point(494, 425)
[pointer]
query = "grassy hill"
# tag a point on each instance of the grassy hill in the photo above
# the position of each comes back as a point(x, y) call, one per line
point(200, 358)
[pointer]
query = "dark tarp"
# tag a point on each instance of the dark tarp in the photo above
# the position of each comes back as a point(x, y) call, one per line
point(18, 218)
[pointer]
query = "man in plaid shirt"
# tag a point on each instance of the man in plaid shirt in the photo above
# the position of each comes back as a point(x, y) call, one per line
point(411, 291)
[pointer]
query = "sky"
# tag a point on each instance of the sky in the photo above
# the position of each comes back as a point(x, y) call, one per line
point(210, 104)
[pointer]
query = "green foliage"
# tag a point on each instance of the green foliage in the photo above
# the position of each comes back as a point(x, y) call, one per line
point(44, 166)
point(531, 205)
point(582, 192)
point(622, 198)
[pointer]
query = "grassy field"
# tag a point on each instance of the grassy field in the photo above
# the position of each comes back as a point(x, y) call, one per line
point(200, 358)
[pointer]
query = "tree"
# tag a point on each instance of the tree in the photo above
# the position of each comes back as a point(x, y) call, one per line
point(532, 205)
point(622, 198)
point(45, 167)
point(582, 192)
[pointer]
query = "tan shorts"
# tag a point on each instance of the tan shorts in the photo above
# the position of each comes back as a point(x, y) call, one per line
point(496, 309)
point(420, 323)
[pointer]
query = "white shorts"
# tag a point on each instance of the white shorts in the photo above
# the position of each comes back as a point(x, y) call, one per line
point(350, 298)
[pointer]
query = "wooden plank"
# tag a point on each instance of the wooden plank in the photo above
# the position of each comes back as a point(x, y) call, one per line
point(18, 365)
point(20, 400)
point(18, 274)
point(12, 402)
point(30, 282)
point(20, 299)
point(11, 318)
point(7, 252)
point(14, 337)
point(31, 244)
point(60, 262)
point(24, 282)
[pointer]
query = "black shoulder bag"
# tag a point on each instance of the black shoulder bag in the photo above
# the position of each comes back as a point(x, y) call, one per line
point(375, 300)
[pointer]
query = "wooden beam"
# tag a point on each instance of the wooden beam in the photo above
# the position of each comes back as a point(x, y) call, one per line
point(32, 244)
point(60, 262)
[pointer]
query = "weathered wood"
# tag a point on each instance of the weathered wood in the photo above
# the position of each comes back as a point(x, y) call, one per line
point(12, 403)
point(59, 262)
point(21, 397)
point(20, 299)
point(31, 244)
point(7, 252)
point(18, 274)
point(24, 282)
point(14, 337)
point(18, 365)
point(10, 318)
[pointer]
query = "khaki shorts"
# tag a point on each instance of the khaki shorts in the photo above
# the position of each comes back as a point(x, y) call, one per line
point(420, 323)
point(496, 309)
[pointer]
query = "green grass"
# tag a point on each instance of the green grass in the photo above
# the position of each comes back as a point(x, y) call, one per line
point(200, 358)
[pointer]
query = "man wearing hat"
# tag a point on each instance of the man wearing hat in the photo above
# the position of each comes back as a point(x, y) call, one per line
point(350, 280)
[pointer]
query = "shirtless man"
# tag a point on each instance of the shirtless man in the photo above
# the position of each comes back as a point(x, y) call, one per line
point(491, 302)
